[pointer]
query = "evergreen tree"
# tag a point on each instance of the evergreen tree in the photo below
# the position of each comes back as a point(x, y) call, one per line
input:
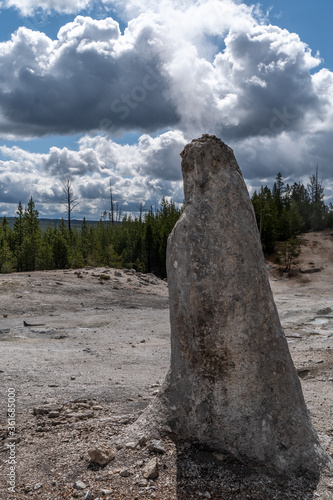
point(31, 237)
point(267, 218)
point(316, 193)
point(45, 256)
point(287, 196)
point(101, 243)
point(300, 195)
point(296, 220)
point(60, 250)
point(2, 236)
point(6, 233)
point(7, 259)
point(289, 252)
point(138, 243)
point(64, 230)
point(277, 193)
point(284, 229)
point(149, 242)
point(18, 236)
point(92, 256)
point(84, 241)
point(329, 216)
point(112, 258)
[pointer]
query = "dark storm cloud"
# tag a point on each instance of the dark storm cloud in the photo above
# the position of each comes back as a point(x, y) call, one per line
point(152, 77)
point(90, 78)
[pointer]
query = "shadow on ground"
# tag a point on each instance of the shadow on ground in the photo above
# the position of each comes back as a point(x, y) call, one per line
point(201, 475)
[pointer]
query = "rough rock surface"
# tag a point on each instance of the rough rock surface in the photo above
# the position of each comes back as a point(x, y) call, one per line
point(150, 471)
point(101, 454)
point(232, 386)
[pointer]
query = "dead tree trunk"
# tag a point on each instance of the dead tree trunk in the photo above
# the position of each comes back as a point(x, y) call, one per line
point(69, 200)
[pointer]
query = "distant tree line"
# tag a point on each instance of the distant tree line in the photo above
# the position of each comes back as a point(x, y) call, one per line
point(140, 242)
point(289, 210)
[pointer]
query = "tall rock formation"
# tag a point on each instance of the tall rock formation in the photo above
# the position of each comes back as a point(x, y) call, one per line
point(232, 386)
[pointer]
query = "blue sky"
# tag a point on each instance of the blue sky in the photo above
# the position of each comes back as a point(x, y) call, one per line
point(311, 20)
point(103, 90)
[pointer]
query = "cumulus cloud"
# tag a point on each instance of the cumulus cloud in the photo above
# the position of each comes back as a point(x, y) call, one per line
point(28, 7)
point(156, 75)
point(89, 78)
point(188, 67)
point(134, 171)
point(133, 8)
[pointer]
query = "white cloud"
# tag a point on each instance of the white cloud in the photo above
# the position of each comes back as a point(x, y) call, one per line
point(156, 75)
point(134, 171)
point(90, 77)
point(184, 67)
point(133, 8)
point(28, 7)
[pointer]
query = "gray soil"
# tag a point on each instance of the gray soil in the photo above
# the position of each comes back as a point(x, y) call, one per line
point(86, 351)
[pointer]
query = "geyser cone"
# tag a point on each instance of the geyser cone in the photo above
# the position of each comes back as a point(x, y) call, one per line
point(232, 385)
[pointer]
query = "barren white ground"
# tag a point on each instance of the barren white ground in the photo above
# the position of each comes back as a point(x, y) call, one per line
point(93, 347)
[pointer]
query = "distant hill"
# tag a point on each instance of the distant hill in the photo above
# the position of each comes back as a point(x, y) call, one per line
point(45, 223)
